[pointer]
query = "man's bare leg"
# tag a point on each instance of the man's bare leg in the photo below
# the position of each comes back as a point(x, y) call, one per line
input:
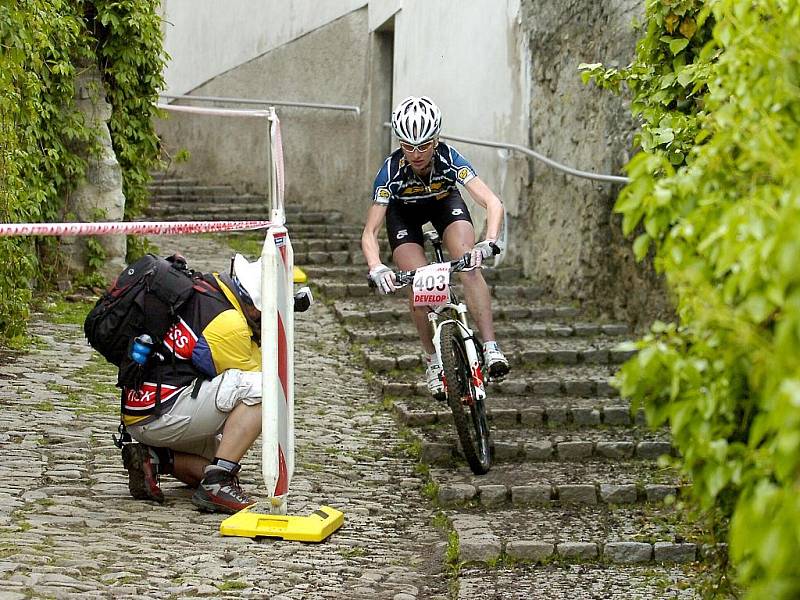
point(459, 238)
point(408, 257)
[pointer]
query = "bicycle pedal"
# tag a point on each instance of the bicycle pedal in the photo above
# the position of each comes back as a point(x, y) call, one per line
point(499, 372)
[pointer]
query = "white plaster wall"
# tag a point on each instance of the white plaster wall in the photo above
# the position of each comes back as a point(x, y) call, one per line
point(469, 55)
point(472, 59)
point(208, 37)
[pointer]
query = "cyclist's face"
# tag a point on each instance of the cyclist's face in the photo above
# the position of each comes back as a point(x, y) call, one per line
point(418, 156)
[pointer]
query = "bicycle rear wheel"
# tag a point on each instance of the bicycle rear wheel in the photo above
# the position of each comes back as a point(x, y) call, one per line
point(469, 413)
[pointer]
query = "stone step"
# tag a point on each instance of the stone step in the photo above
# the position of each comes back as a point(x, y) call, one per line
point(325, 231)
point(573, 380)
point(357, 274)
point(525, 577)
point(634, 534)
point(546, 483)
point(222, 209)
point(400, 332)
point(187, 214)
point(407, 355)
point(439, 445)
point(183, 189)
point(303, 246)
point(321, 259)
point(508, 274)
point(170, 203)
point(160, 178)
point(502, 310)
point(523, 411)
point(336, 290)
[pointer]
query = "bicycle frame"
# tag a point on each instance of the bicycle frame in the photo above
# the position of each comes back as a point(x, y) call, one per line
point(459, 310)
point(467, 335)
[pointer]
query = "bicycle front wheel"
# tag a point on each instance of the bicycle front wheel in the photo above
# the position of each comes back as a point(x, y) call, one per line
point(469, 413)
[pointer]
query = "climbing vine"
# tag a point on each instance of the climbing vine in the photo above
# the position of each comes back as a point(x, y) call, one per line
point(715, 195)
point(131, 58)
point(44, 141)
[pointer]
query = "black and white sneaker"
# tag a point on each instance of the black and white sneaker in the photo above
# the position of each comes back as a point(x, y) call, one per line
point(496, 362)
point(219, 491)
point(435, 378)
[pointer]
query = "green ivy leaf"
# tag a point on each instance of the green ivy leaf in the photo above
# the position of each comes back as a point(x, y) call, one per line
point(677, 45)
point(641, 245)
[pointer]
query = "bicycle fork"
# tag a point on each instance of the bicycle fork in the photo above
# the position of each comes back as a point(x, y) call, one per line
point(476, 373)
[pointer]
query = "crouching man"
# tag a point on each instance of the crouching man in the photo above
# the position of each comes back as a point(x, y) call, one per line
point(197, 410)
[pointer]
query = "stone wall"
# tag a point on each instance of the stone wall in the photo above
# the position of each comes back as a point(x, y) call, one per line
point(568, 236)
point(99, 196)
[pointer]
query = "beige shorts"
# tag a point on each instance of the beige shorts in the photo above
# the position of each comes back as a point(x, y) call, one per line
point(194, 425)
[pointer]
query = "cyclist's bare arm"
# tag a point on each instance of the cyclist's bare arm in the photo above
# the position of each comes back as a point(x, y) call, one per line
point(369, 237)
point(484, 197)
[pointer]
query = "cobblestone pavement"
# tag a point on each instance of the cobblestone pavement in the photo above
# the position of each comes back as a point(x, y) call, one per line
point(573, 507)
point(69, 528)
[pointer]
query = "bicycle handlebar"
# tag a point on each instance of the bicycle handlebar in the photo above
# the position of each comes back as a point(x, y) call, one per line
point(404, 278)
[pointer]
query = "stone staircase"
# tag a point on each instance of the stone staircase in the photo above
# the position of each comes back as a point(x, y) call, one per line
point(576, 475)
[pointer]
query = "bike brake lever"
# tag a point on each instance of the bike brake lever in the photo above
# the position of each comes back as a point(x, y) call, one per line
point(403, 277)
point(462, 264)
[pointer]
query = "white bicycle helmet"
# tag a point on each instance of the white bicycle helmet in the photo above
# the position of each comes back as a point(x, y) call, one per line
point(416, 120)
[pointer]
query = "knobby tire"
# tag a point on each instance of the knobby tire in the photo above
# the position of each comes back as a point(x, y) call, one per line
point(471, 425)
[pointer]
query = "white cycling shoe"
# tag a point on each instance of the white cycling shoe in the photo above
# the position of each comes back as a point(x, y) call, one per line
point(496, 362)
point(435, 379)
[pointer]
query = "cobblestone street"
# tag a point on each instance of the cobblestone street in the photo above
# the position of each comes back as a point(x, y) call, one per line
point(572, 508)
point(70, 529)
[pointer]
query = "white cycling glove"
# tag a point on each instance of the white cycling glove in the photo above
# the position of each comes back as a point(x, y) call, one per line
point(481, 251)
point(383, 277)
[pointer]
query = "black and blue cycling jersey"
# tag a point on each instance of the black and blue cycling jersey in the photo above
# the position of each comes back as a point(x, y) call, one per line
point(396, 180)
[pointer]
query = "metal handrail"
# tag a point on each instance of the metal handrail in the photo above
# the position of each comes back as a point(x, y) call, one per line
point(528, 152)
point(259, 102)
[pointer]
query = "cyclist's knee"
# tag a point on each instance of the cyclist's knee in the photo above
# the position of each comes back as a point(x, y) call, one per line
point(471, 277)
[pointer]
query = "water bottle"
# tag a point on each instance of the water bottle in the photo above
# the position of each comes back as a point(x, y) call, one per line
point(141, 349)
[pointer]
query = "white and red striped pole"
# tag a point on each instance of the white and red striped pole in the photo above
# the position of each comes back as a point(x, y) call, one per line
point(277, 352)
point(277, 338)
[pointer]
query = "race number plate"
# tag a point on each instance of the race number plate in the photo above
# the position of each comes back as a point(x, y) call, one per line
point(432, 285)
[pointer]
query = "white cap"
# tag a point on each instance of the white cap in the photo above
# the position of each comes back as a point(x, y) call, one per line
point(249, 276)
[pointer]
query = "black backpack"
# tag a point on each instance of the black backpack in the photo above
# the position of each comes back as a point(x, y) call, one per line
point(144, 298)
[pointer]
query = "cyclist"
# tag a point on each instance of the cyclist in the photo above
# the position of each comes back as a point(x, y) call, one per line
point(416, 185)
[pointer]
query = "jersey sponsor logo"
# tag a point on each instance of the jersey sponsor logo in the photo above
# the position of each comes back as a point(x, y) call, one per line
point(145, 397)
point(423, 189)
point(181, 340)
point(402, 233)
point(382, 195)
point(457, 211)
point(463, 173)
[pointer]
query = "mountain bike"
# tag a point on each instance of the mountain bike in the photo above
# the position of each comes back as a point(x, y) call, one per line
point(462, 360)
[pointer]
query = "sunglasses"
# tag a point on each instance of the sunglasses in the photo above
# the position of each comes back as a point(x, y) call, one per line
point(423, 147)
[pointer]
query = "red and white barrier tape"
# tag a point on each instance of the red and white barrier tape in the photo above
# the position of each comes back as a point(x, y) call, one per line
point(125, 227)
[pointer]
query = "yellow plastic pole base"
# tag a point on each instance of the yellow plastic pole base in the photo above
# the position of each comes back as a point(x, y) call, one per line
point(299, 276)
point(314, 528)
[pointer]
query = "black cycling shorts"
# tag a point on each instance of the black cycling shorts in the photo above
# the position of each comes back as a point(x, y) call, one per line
point(404, 221)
